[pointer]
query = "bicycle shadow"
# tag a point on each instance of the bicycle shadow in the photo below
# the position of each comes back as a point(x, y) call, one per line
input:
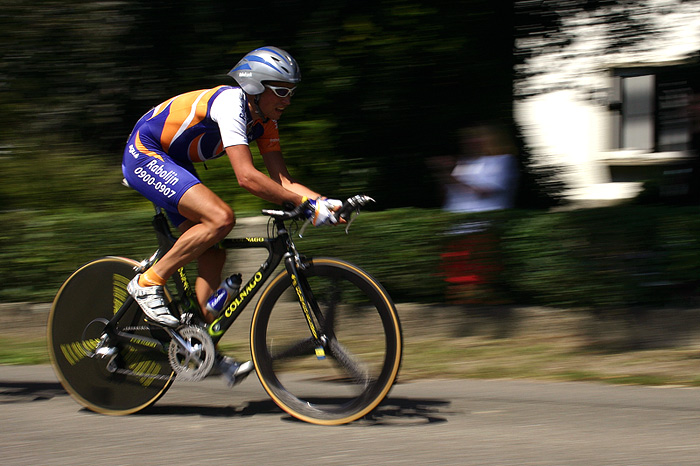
point(393, 411)
point(408, 411)
point(25, 392)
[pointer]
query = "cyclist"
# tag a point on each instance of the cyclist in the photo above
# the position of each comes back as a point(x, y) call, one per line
point(202, 125)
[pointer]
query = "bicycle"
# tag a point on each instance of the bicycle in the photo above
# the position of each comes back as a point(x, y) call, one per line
point(325, 337)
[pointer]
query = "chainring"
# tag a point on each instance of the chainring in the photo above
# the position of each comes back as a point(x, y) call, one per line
point(195, 360)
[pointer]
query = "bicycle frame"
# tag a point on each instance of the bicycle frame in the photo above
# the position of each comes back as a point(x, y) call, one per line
point(280, 248)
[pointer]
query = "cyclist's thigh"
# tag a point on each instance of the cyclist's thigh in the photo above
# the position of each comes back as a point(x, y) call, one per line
point(159, 178)
point(201, 204)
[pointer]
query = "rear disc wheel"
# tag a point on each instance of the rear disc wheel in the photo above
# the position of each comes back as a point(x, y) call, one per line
point(87, 299)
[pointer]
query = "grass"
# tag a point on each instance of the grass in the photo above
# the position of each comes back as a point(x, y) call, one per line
point(16, 351)
point(476, 357)
point(518, 358)
point(546, 345)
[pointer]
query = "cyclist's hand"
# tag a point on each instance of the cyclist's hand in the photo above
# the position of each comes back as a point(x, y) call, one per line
point(322, 211)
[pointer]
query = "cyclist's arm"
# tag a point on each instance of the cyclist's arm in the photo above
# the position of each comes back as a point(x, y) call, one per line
point(256, 182)
point(277, 168)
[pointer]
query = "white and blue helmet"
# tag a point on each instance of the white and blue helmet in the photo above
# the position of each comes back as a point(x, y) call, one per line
point(265, 64)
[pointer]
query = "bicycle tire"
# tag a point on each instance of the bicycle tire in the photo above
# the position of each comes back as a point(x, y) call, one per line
point(85, 301)
point(363, 331)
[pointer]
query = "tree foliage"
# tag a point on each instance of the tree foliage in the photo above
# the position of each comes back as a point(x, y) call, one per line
point(385, 84)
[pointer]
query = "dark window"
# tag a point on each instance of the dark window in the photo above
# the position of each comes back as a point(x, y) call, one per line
point(651, 108)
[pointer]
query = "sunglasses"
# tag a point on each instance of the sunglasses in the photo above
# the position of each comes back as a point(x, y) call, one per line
point(282, 91)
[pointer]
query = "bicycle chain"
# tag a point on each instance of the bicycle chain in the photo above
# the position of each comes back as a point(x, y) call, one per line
point(132, 329)
point(131, 373)
point(140, 375)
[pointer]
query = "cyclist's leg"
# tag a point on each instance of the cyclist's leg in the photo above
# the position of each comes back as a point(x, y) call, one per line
point(211, 220)
point(174, 185)
point(210, 264)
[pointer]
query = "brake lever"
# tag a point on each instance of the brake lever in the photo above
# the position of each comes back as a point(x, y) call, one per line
point(352, 219)
point(303, 227)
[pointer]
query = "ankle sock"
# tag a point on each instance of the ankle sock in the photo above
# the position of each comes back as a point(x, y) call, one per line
point(150, 278)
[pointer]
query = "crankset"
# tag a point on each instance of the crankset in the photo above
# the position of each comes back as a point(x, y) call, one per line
point(191, 352)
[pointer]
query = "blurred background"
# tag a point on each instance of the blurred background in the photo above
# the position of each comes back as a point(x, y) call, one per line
point(384, 85)
point(388, 89)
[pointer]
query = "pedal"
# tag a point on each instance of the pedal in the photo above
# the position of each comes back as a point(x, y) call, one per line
point(106, 355)
point(239, 374)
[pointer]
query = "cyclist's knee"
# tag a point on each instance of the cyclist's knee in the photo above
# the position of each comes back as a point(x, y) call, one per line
point(223, 220)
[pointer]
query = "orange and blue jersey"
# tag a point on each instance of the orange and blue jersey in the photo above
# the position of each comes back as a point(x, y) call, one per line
point(183, 127)
point(193, 127)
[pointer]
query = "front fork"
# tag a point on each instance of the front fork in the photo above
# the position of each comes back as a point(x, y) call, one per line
point(308, 304)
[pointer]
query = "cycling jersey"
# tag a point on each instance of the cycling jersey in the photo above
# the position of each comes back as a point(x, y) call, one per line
point(198, 125)
point(191, 127)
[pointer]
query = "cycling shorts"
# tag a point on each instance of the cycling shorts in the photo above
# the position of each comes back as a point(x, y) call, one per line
point(158, 177)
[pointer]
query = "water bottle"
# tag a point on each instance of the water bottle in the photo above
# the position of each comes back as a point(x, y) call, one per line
point(224, 294)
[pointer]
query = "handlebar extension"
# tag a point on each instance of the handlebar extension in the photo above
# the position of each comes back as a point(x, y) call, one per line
point(351, 205)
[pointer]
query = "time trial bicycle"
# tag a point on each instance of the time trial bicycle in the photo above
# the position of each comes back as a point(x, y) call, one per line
point(325, 336)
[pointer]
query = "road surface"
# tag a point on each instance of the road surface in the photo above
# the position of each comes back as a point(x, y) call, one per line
point(437, 422)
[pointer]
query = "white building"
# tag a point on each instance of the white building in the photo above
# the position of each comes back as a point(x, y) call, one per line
point(611, 116)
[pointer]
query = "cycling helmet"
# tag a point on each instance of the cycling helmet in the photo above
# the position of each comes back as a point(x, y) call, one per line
point(265, 64)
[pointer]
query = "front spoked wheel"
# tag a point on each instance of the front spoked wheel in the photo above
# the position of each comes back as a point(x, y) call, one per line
point(358, 359)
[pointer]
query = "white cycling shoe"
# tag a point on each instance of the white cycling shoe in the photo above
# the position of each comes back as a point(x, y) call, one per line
point(151, 299)
point(231, 370)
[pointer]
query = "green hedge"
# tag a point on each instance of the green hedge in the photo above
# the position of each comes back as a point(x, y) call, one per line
point(604, 258)
point(611, 258)
point(39, 250)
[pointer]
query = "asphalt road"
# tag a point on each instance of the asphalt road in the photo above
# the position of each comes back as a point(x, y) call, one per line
point(466, 422)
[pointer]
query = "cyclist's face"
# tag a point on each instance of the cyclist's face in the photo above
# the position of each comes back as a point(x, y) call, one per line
point(271, 105)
